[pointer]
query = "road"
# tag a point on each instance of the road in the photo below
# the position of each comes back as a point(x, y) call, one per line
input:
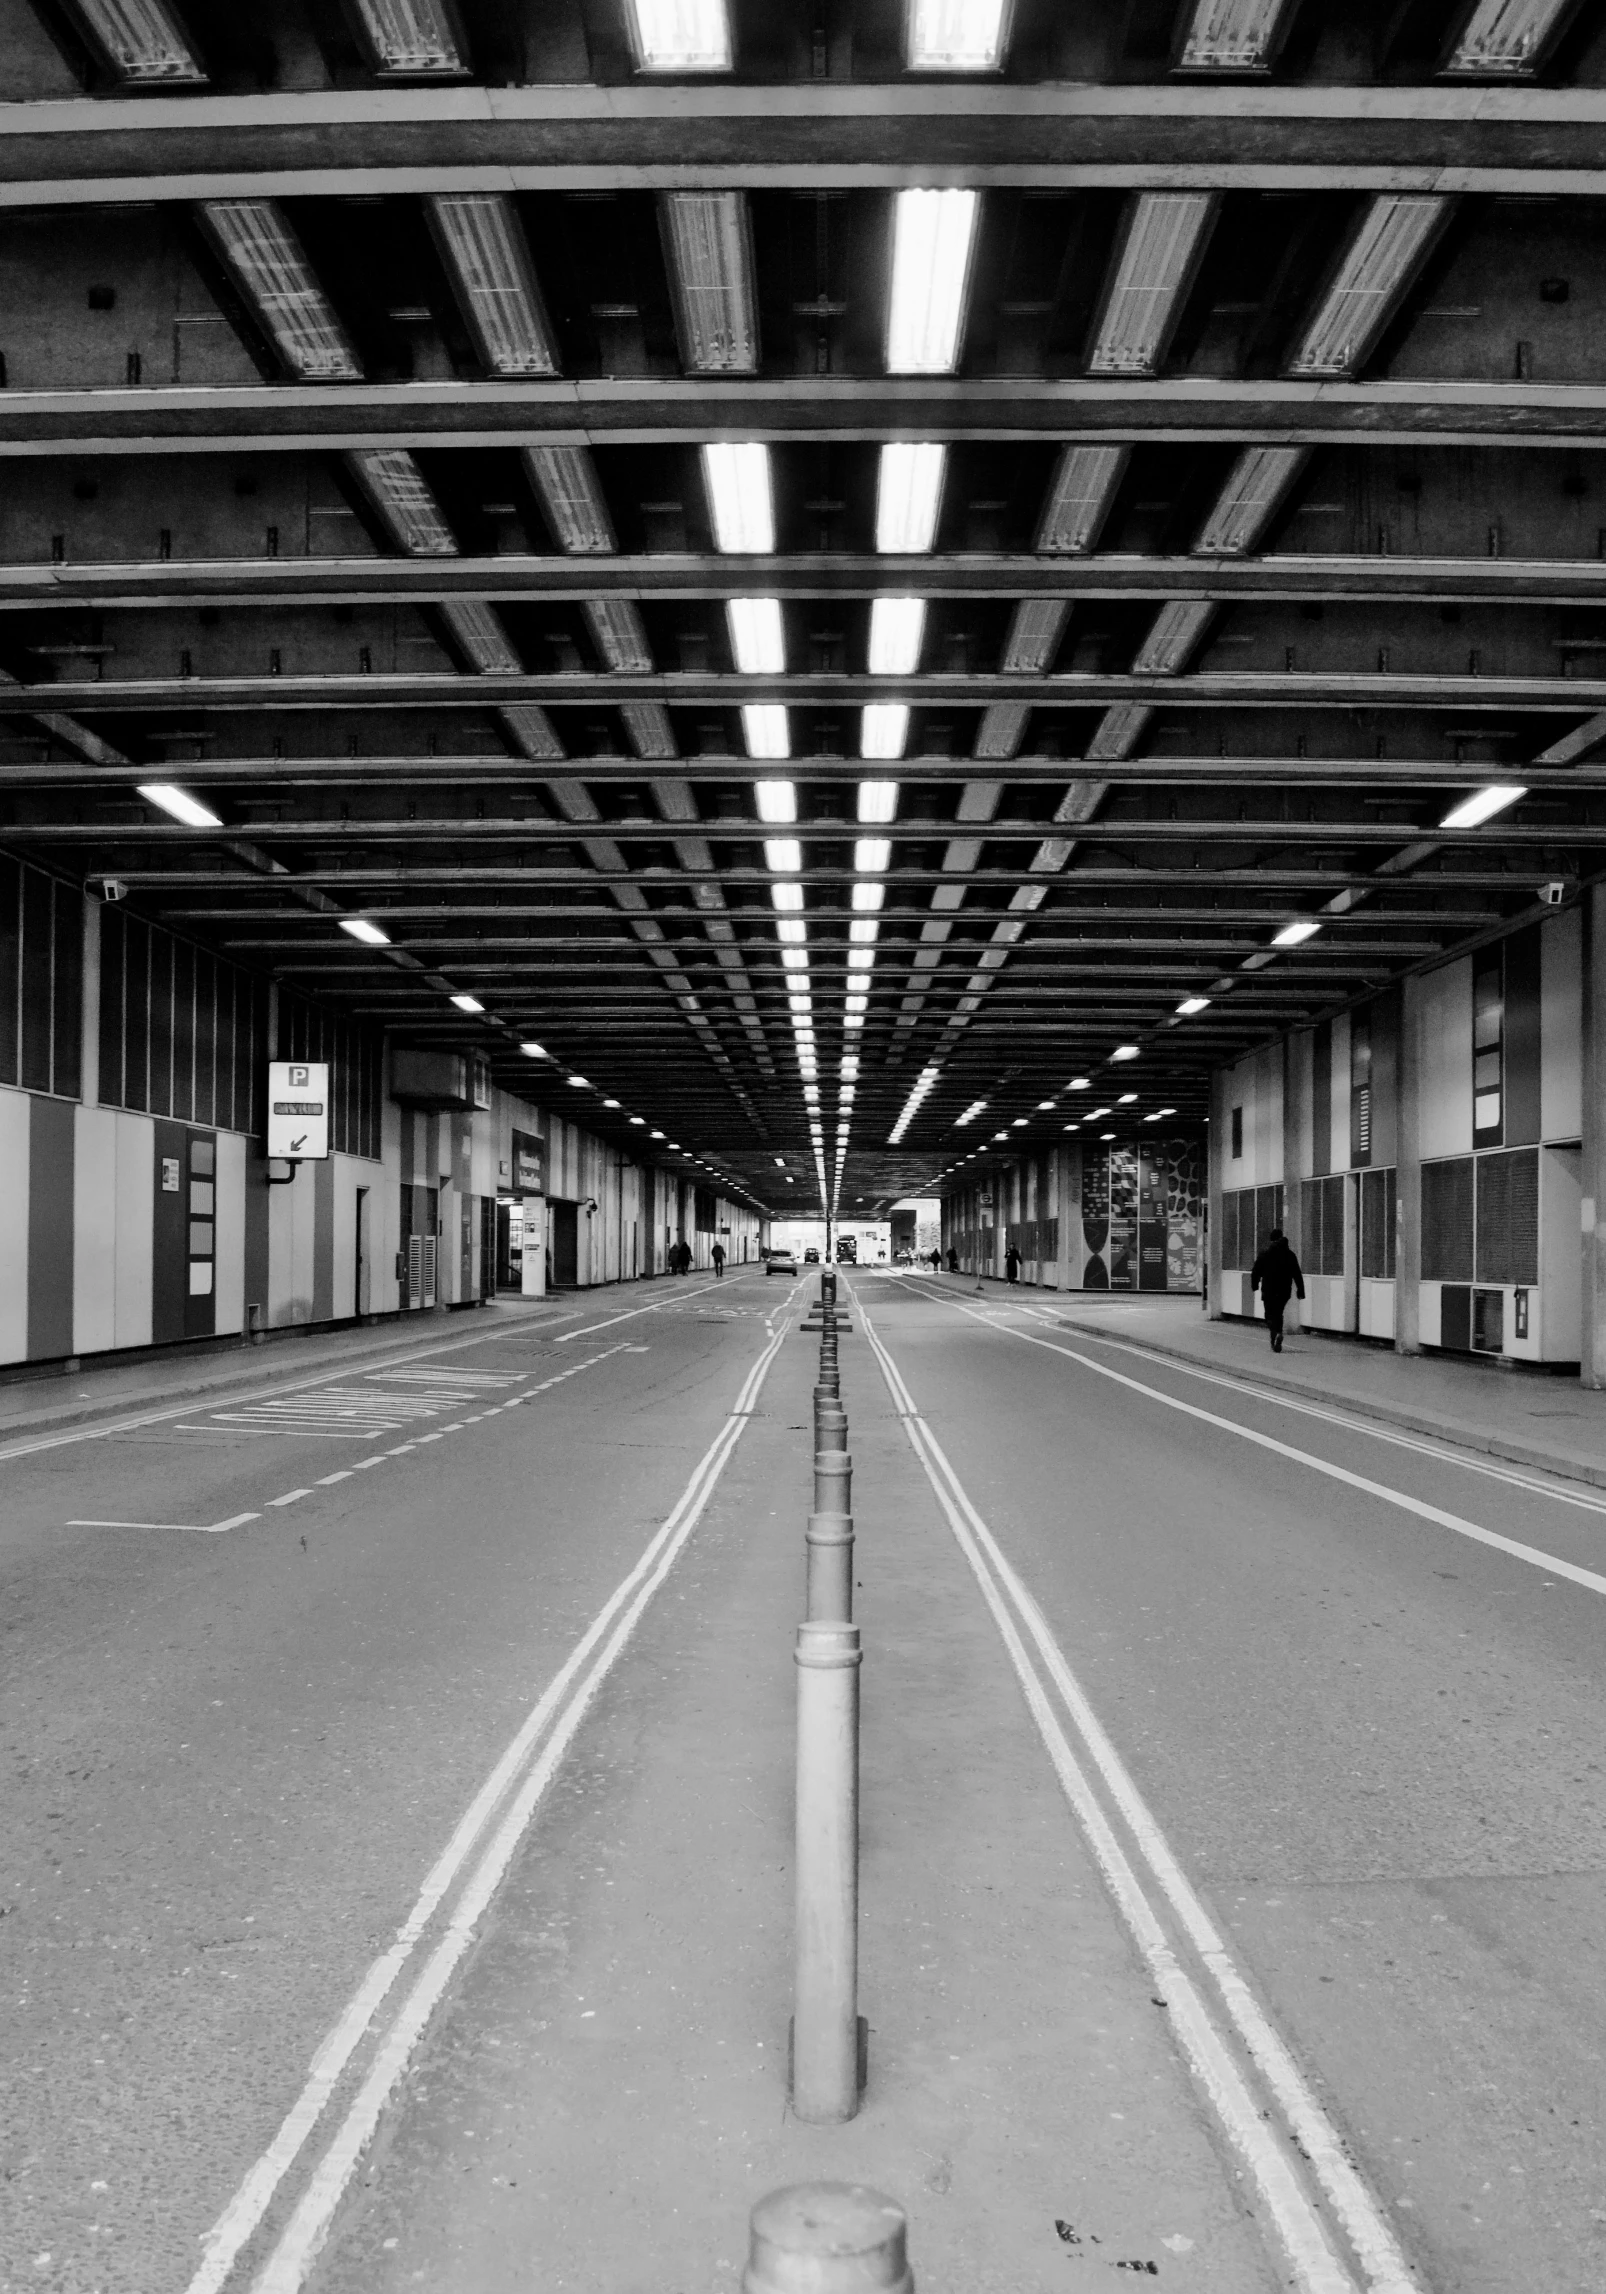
point(1355, 1682)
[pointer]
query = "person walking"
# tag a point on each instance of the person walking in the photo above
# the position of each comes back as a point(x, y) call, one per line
point(717, 1254)
point(1276, 1275)
point(1012, 1264)
point(936, 1262)
point(953, 1260)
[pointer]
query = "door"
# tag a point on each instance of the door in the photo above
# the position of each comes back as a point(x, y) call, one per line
point(183, 1234)
point(563, 1229)
point(359, 1291)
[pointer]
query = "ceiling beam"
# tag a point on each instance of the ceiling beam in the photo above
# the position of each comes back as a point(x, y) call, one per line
point(997, 881)
point(1511, 830)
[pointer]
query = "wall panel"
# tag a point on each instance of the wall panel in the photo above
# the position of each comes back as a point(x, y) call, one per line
point(1444, 1053)
point(1561, 1020)
point(136, 1184)
point(94, 1285)
point(14, 1174)
point(230, 1276)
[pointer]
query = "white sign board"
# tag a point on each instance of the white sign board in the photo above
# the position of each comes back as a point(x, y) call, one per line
point(298, 1110)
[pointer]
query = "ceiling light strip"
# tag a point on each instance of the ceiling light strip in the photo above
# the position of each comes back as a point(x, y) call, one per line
point(266, 258)
point(1390, 243)
point(482, 243)
point(411, 39)
point(1163, 237)
point(708, 240)
point(933, 235)
point(143, 42)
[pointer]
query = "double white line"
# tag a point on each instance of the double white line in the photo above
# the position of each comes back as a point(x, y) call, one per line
point(1147, 1899)
point(525, 1770)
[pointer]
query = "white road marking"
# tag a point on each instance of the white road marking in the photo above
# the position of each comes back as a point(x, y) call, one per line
point(1591, 1580)
point(289, 1497)
point(676, 1298)
point(562, 1711)
point(1319, 2270)
point(190, 1528)
point(344, 1475)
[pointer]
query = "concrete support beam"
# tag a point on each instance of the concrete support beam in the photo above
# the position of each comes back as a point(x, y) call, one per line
point(1408, 1174)
point(1592, 1242)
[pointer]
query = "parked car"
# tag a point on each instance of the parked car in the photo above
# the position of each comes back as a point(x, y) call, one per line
point(781, 1262)
point(847, 1250)
point(811, 1256)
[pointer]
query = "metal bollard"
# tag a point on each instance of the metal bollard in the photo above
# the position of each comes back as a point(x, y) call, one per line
point(825, 2025)
point(828, 1540)
point(830, 1426)
point(828, 2238)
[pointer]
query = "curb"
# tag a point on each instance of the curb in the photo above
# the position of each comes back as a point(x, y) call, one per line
point(1409, 1421)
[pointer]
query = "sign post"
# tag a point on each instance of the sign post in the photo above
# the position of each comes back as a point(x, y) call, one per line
point(298, 1111)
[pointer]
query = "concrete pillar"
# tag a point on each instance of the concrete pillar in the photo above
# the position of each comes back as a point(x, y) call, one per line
point(89, 1054)
point(1293, 1193)
point(1592, 1288)
point(1215, 1156)
point(1408, 1187)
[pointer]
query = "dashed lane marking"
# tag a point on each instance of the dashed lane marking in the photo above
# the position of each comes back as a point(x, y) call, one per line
point(189, 1528)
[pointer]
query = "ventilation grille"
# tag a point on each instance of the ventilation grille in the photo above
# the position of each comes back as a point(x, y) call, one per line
point(1447, 1221)
point(1508, 1216)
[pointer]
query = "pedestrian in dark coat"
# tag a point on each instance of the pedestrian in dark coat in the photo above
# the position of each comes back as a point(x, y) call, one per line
point(717, 1254)
point(1275, 1274)
point(1012, 1264)
point(953, 1261)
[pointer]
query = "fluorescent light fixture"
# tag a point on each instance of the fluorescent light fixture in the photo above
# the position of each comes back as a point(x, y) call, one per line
point(619, 634)
point(792, 930)
point(741, 504)
point(908, 496)
point(1177, 629)
point(861, 959)
point(863, 931)
point(1125, 1051)
point(1094, 1113)
point(610, 1103)
point(1292, 935)
point(640, 1121)
point(1233, 35)
point(709, 242)
point(655, 1134)
point(580, 1083)
point(395, 485)
point(1003, 728)
point(1119, 730)
point(787, 898)
point(932, 235)
point(1191, 1005)
point(868, 898)
point(757, 635)
point(410, 38)
point(883, 729)
point(565, 481)
point(647, 723)
point(1260, 479)
point(1019, 1123)
point(467, 1003)
point(1164, 235)
point(1126, 1099)
point(897, 625)
point(142, 42)
point(1000, 1134)
point(1045, 1106)
point(535, 1051)
point(872, 854)
point(179, 804)
point(1390, 242)
point(955, 35)
point(1104, 1135)
point(783, 855)
point(480, 634)
point(263, 252)
point(878, 800)
point(764, 728)
point(1079, 498)
point(1482, 805)
point(680, 35)
point(776, 800)
point(1034, 636)
point(1504, 39)
point(371, 935)
point(482, 243)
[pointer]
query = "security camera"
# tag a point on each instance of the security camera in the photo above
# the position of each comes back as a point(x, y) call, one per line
point(113, 888)
point(1553, 893)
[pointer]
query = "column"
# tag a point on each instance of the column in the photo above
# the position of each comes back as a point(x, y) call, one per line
point(1293, 1193)
point(1215, 1156)
point(1408, 1189)
point(1592, 1287)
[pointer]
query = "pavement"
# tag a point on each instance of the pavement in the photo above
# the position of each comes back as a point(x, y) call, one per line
point(396, 1886)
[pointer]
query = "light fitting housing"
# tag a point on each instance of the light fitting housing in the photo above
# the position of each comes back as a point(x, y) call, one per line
point(933, 234)
point(757, 635)
point(766, 732)
point(179, 805)
point(909, 476)
point(1177, 629)
point(1084, 486)
point(1256, 488)
point(878, 801)
point(1505, 39)
point(479, 633)
point(1163, 238)
point(708, 243)
point(647, 723)
point(467, 1003)
point(371, 935)
point(396, 487)
point(897, 626)
point(619, 635)
point(565, 481)
point(481, 241)
point(955, 35)
point(777, 805)
point(411, 39)
point(261, 249)
point(1296, 932)
point(1034, 636)
point(741, 501)
point(1482, 805)
point(143, 42)
point(680, 35)
point(1391, 242)
point(1233, 35)
point(883, 729)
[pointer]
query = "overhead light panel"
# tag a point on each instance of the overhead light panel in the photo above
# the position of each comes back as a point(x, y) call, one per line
point(179, 805)
point(260, 248)
point(565, 481)
point(883, 729)
point(1124, 1051)
point(777, 803)
point(710, 246)
point(1482, 805)
point(878, 800)
point(1034, 636)
point(1191, 1005)
point(932, 237)
point(535, 1051)
point(908, 496)
point(1079, 499)
point(411, 39)
point(955, 35)
point(482, 240)
point(741, 504)
point(757, 635)
point(1163, 239)
point(371, 935)
point(1233, 35)
point(396, 487)
point(142, 42)
point(1390, 243)
point(1295, 933)
point(480, 634)
point(764, 728)
point(872, 855)
point(1177, 629)
point(680, 35)
point(897, 625)
point(1504, 39)
point(1254, 491)
point(783, 856)
point(467, 1003)
point(619, 635)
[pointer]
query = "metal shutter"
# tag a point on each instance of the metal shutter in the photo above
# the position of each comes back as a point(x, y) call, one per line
point(1229, 1228)
point(1375, 1224)
point(1508, 1216)
point(1447, 1221)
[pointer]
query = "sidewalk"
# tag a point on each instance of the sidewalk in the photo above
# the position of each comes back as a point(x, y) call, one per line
point(604, 2098)
point(1524, 1416)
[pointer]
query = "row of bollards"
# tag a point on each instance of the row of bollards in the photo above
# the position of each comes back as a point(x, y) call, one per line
point(828, 2238)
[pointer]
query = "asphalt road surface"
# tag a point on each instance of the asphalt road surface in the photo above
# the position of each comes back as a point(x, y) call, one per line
point(259, 1663)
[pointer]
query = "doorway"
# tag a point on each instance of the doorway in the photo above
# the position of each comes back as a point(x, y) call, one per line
point(359, 1292)
point(563, 1230)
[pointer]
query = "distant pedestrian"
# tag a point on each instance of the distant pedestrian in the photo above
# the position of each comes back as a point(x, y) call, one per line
point(936, 1262)
point(1012, 1264)
point(717, 1254)
point(1275, 1274)
point(953, 1261)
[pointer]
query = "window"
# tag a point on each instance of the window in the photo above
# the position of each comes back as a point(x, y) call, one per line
point(1321, 1225)
point(41, 981)
point(1508, 1217)
point(1237, 1133)
point(1360, 1089)
point(180, 1033)
point(1447, 1190)
point(1488, 1031)
point(1377, 1225)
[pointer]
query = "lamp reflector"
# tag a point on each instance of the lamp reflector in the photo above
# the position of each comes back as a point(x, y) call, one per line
point(710, 246)
point(741, 505)
point(1482, 805)
point(680, 35)
point(758, 638)
point(260, 248)
point(932, 235)
point(410, 38)
point(411, 515)
point(482, 240)
point(897, 625)
point(565, 482)
point(883, 729)
point(909, 479)
point(142, 42)
point(1390, 243)
point(955, 35)
point(765, 730)
point(179, 805)
point(1079, 498)
point(1164, 236)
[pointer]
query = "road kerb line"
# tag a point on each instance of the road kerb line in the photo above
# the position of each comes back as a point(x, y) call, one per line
point(1384, 2265)
point(228, 2236)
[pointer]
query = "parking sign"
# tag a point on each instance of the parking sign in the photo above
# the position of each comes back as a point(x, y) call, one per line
point(298, 1110)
